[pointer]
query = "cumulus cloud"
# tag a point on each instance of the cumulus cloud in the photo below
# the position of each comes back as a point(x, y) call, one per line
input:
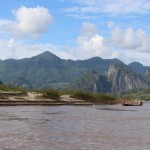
point(90, 43)
point(28, 22)
point(20, 49)
point(126, 44)
point(134, 56)
point(131, 39)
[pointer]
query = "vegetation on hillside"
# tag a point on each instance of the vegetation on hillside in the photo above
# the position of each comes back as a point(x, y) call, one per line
point(91, 81)
point(8, 88)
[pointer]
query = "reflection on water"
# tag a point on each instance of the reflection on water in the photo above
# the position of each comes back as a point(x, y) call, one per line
point(75, 128)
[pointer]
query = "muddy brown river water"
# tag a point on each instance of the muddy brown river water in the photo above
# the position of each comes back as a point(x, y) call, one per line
point(109, 127)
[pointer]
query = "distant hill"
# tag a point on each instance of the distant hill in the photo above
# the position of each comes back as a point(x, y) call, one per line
point(137, 67)
point(46, 70)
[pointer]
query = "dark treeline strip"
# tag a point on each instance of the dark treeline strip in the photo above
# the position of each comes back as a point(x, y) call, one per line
point(94, 97)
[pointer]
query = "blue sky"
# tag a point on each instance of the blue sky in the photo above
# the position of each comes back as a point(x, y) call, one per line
point(76, 29)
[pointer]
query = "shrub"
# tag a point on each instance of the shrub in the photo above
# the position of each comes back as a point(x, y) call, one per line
point(105, 98)
point(84, 96)
point(51, 94)
point(2, 96)
point(93, 97)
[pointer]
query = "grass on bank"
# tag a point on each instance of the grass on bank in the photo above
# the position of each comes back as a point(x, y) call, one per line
point(49, 93)
point(87, 96)
point(55, 94)
point(5, 90)
point(94, 97)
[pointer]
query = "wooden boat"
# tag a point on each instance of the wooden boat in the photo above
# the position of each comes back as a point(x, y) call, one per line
point(133, 104)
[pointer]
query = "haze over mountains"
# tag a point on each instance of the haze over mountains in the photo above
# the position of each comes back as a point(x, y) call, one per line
point(98, 75)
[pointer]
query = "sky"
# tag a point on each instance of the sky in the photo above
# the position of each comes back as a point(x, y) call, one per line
point(76, 29)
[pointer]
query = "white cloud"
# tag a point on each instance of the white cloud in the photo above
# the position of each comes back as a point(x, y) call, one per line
point(111, 7)
point(91, 46)
point(28, 22)
point(134, 56)
point(16, 49)
point(131, 39)
point(90, 43)
point(88, 29)
point(127, 45)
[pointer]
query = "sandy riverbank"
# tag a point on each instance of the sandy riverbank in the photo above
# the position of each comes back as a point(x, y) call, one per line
point(33, 98)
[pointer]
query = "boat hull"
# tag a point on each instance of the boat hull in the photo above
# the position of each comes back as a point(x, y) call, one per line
point(130, 104)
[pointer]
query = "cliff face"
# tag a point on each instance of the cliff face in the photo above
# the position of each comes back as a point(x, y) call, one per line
point(92, 82)
point(119, 78)
point(147, 74)
point(124, 79)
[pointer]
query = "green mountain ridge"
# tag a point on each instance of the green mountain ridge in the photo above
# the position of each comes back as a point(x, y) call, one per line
point(137, 67)
point(46, 70)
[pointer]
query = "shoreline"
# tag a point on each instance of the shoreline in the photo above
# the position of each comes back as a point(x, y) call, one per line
point(33, 98)
point(41, 104)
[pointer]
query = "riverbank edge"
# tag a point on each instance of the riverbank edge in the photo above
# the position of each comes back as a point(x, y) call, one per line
point(33, 98)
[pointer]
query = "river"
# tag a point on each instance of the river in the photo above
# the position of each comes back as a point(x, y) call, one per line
point(110, 127)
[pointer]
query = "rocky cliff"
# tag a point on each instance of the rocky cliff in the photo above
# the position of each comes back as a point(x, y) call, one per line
point(124, 79)
point(147, 74)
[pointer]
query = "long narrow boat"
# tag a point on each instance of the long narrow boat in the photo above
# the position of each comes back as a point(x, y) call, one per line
point(133, 104)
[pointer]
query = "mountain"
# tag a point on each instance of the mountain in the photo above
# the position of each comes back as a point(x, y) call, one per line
point(119, 78)
point(39, 71)
point(92, 82)
point(47, 56)
point(137, 67)
point(123, 78)
point(144, 71)
point(46, 70)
